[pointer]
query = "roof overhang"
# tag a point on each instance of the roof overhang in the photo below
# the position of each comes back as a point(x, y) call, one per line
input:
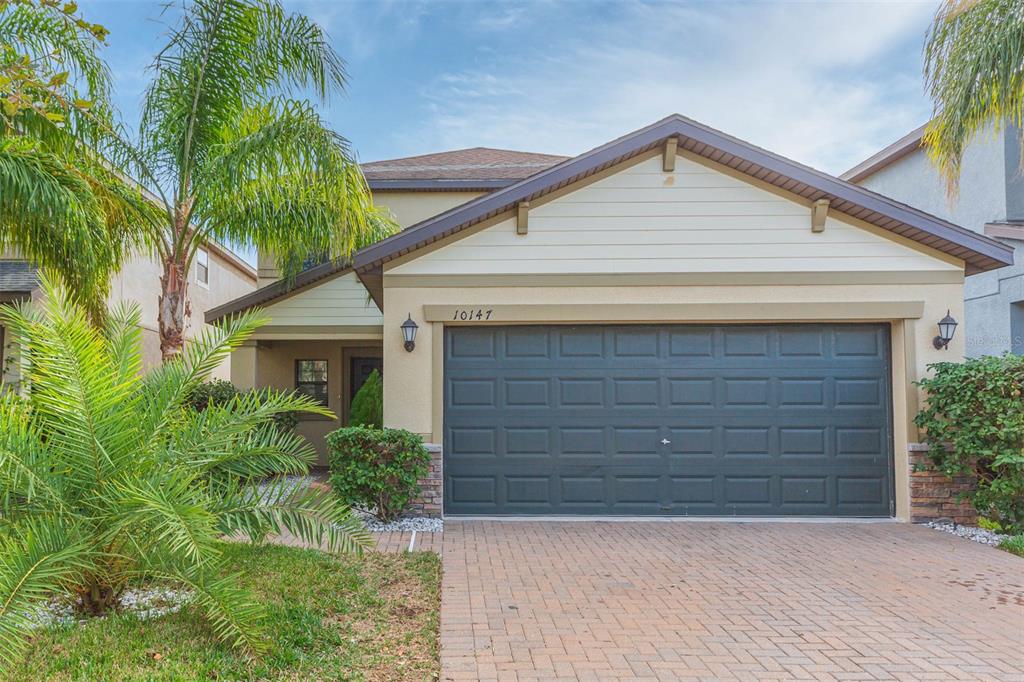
point(907, 144)
point(413, 185)
point(278, 290)
point(980, 253)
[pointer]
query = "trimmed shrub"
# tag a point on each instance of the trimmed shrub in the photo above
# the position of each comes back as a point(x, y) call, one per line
point(377, 469)
point(222, 391)
point(216, 392)
point(974, 424)
point(368, 403)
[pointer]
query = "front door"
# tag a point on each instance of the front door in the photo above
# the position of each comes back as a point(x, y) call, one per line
point(361, 368)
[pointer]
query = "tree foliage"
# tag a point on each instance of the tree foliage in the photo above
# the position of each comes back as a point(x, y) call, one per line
point(244, 158)
point(63, 205)
point(107, 478)
point(974, 70)
point(974, 424)
point(368, 404)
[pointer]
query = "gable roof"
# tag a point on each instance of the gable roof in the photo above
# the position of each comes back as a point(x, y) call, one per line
point(477, 168)
point(897, 150)
point(979, 252)
point(17, 277)
point(279, 289)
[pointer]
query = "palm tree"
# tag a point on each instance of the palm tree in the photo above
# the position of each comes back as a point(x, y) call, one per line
point(107, 478)
point(235, 157)
point(62, 206)
point(974, 70)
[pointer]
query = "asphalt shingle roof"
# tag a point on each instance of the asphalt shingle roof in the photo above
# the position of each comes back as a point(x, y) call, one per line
point(477, 163)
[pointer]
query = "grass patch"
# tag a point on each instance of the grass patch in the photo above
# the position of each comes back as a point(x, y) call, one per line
point(1013, 545)
point(369, 618)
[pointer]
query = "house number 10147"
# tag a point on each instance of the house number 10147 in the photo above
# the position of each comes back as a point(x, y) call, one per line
point(470, 314)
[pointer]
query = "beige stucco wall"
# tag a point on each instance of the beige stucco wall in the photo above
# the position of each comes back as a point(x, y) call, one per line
point(271, 364)
point(409, 208)
point(139, 282)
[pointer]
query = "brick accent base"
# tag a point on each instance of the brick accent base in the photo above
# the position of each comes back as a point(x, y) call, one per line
point(431, 495)
point(933, 495)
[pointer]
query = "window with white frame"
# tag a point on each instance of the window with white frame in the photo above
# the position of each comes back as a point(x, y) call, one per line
point(203, 267)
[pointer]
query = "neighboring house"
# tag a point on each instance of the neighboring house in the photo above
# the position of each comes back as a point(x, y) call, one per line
point(676, 322)
point(217, 276)
point(990, 201)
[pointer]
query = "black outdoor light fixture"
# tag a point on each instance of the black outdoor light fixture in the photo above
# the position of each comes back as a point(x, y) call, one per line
point(947, 327)
point(409, 332)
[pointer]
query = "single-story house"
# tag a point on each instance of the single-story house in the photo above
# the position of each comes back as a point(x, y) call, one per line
point(674, 323)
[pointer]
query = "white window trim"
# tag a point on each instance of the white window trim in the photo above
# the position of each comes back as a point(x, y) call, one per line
point(206, 284)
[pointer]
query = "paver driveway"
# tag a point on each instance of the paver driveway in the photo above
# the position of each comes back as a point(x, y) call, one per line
point(696, 600)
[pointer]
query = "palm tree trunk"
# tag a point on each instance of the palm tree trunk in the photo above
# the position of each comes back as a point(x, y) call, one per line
point(174, 308)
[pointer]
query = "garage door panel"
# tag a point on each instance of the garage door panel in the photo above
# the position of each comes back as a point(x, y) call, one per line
point(668, 420)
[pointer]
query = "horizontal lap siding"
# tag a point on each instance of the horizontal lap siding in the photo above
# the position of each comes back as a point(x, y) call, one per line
point(340, 301)
point(643, 220)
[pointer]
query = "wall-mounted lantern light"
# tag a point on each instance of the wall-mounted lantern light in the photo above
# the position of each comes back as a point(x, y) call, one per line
point(947, 327)
point(409, 332)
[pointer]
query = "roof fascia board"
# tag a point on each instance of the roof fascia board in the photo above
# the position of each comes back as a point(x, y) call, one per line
point(886, 156)
point(574, 169)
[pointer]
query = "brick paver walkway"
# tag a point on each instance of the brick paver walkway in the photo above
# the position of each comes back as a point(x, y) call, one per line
point(722, 601)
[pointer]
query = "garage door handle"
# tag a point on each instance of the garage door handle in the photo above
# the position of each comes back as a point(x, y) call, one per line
point(665, 441)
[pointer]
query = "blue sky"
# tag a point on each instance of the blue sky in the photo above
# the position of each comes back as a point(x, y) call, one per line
point(824, 83)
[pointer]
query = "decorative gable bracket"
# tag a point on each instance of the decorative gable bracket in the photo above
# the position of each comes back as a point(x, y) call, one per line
point(819, 211)
point(523, 217)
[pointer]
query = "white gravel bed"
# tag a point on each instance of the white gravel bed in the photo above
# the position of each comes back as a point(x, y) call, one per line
point(143, 603)
point(985, 537)
point(420, 524)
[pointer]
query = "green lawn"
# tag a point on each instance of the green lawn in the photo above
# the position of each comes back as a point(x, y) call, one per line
point(1014, 545)
point(369, 618)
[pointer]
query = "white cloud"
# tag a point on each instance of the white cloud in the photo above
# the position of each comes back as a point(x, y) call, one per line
point(826, 84)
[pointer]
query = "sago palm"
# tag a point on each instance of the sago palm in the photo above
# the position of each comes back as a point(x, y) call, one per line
point(61, 205)
point(974, 68)
point(235, 157)
point(107, 478)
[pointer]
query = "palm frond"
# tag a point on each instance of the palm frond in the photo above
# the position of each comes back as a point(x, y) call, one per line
point(233, 614)
point(36, 558)
point(974, 72)
point(170, 512)
point(167, 386)
point(315, 516)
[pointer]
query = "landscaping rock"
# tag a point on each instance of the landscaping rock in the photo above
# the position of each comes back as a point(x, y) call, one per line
point(143, 603)
point(985, 537)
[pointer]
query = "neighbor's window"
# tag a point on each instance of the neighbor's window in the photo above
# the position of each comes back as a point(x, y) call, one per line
point(203, 267)
point(311, 379)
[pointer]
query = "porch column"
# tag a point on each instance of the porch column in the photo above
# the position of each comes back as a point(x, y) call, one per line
point(244, 366)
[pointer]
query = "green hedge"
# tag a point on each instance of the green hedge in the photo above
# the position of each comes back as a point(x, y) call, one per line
point(974, 424)
point(377, 469)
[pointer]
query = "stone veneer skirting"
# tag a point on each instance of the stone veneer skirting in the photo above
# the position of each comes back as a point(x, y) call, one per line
point(933, 495)
point(431, 498)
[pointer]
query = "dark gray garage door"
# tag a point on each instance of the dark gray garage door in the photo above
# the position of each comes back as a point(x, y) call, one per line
point(684, 420)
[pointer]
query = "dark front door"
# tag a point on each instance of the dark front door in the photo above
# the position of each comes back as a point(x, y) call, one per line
point(680, 420)
point(360, 369)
